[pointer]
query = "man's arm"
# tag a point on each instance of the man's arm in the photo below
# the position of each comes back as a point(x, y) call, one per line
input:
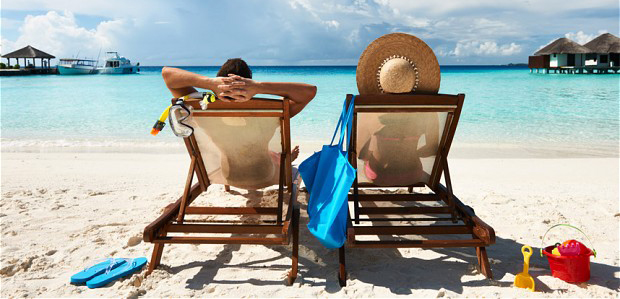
point(300, 94)
point(181, 82)
point(238, 89)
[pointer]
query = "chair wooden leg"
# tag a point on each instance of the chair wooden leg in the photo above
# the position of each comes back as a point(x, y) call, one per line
point(483, 262)
point(293, 274)
point(227, 188)
point(342, 273)
point(155, 258)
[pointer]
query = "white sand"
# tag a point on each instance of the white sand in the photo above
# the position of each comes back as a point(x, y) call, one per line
point(61, 211)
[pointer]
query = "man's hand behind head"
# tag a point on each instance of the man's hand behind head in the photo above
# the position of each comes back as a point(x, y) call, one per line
point(237, 89)
point(224, 84)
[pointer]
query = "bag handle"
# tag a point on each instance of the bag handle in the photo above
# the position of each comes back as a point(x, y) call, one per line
point(542, 241)
point(347, 123)
point(344, 123)
point(342, 115)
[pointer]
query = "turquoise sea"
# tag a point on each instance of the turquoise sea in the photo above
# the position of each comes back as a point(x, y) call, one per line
point(504, 107)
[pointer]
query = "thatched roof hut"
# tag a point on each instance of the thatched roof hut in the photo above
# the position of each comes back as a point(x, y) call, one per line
point(28, 52)
point(604, 43)
point(562, 46)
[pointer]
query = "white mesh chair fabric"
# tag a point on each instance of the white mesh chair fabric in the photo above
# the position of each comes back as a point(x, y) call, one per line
point(398, 149)
point(243, 152)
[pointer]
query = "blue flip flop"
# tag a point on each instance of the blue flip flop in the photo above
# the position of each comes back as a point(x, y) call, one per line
point(94, 270)
point(130, 266)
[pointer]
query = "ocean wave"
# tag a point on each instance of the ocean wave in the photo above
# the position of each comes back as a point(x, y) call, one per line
point(90, 145)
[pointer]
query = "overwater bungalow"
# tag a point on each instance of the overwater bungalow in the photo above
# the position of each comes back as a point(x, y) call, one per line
point(566, 56)
point(605, 51)
point(561, 56)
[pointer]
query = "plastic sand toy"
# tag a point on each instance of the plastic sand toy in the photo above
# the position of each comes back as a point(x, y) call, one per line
point(573, 262)
point(524, 279)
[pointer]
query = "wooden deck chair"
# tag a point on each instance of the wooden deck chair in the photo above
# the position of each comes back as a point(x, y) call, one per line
point(402, 141)
point(236, 145)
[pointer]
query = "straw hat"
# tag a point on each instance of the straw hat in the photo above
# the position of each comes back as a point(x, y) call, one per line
point(398, 63)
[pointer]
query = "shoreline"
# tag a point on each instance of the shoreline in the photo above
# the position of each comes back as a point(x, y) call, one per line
point(168, 145)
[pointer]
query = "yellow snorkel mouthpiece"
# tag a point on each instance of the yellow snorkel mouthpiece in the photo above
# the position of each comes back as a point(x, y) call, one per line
point(207, 97)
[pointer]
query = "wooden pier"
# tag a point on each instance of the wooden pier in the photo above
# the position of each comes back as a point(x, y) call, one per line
point(28, 71)
point(541, 64)
point(576, 70)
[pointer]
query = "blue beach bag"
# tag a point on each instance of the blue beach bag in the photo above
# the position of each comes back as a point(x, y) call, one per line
point(328, 176)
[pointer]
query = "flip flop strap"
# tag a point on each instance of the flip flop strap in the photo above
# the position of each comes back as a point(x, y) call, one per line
point(97, 262)
point(128, 264)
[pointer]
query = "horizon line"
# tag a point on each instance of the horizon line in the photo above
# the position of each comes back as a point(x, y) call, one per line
point(337, 65)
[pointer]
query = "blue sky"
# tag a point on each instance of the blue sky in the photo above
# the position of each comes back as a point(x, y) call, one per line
point(298, 32)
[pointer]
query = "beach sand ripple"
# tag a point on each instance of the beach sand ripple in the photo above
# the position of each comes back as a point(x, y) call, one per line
point(60, 212)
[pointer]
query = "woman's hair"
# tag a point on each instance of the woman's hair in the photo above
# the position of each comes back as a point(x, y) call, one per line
point(235, 66)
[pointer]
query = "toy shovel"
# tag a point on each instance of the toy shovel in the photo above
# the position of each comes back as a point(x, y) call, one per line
point(523, 279)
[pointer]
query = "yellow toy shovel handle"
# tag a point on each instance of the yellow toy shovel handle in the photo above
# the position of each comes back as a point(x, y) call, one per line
point(527, 253)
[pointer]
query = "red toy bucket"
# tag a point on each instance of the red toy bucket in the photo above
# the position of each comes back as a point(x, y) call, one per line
point(572, 269)
point(569, 268)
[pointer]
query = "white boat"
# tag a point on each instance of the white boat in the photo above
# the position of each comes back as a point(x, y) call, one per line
point(115, 64)
point(74, 66)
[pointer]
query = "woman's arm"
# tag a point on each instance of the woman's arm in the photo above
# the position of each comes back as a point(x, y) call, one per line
point(300, 94)
point(431, 137)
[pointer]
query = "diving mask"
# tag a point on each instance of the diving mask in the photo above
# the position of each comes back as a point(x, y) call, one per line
point(176, 117)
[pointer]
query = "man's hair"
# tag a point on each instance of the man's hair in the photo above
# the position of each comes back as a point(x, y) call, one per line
point(235, 66)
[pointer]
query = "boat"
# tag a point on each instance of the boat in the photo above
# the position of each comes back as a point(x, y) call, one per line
point(116, 64)
point(75, 66)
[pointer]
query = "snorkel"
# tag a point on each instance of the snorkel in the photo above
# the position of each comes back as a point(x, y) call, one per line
point(207, 97)
point(161, 122)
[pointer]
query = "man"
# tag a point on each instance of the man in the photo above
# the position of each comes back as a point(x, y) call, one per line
point(245, 158)
point(234, 84)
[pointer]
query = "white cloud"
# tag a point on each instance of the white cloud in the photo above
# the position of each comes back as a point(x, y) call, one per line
point(486, 48)
point(60, 35)
point(332, 24)
point(581, 38)
point(157, 32)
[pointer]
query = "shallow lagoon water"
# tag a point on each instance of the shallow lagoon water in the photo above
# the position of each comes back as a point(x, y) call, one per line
point(504, 107)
